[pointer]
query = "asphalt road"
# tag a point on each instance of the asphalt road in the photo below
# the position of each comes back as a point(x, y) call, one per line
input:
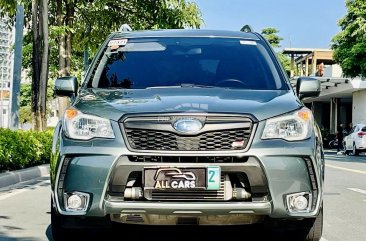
point(24, 212)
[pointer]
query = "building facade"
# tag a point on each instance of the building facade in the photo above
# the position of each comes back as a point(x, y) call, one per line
point(342, 100)
point(6, 71)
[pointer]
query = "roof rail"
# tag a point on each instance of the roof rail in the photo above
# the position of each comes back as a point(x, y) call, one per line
point(125, 28)
point(247, 29)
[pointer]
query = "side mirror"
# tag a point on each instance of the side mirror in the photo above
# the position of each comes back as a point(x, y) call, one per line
point(307, 87)
point(66, 86)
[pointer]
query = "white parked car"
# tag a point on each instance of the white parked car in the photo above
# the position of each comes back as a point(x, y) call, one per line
point(355, 142)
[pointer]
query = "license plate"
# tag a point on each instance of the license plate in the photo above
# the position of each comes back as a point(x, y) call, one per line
point(163, 178)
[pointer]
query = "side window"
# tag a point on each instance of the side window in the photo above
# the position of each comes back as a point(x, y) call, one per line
point(363, 129)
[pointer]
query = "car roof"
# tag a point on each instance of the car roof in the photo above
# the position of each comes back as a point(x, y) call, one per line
point(186, 33)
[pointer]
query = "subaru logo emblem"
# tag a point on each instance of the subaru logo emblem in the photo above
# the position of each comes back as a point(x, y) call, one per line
point(188, 126)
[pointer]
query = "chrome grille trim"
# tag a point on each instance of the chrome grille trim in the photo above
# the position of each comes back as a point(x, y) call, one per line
point(156, 134)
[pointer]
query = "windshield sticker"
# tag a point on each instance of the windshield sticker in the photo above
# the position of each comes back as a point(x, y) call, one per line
point(117, 42)
point(248, 42)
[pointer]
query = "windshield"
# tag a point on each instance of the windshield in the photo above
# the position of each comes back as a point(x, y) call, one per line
point(187, 62)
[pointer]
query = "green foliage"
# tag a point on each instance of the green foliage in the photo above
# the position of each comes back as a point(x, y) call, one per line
point(8, 7)
point(25, 95)
point(285, 61)
point(350, 44)
point(25, 114)
point(25, 111)
point(20, 149)
point(94, 20)
point(271, 34)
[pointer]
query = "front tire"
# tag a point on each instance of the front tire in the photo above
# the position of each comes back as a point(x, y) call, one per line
point(346, 152)
point(58, 231)
point(74, 227)
point(314, 233)
point(355, 152)
point(309, 229)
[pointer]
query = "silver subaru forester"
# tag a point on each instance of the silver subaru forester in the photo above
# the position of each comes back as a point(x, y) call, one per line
point(193, 127)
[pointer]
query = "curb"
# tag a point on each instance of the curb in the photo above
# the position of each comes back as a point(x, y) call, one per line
point(14, 177)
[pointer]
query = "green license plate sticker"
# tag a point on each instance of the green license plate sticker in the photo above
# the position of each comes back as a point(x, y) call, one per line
point(213, 178)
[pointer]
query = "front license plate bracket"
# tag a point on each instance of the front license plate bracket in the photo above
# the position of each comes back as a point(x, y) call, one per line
point(187, 178)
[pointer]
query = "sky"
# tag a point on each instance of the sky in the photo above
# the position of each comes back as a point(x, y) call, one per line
point(302, 23)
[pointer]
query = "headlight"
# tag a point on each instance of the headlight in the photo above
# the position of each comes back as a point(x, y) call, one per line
point(85, 127)
point(291, 127)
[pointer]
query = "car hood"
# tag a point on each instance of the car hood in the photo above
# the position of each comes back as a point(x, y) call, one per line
point(113, 104)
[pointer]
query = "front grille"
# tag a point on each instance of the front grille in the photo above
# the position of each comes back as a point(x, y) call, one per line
point(159, 140)
point(218, 134)
point(188, 159)
point(187, 195)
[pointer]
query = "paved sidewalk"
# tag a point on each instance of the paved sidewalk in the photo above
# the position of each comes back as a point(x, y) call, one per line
point(14, 177)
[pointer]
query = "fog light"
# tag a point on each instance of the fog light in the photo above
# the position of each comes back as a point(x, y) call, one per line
point(299, 202)
point(76, 201)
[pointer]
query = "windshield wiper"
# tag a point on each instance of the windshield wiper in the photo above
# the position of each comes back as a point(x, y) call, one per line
point(187, 85)
point(184, 85)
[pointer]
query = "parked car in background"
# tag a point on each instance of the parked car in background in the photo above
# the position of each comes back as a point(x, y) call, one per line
point(355, 141)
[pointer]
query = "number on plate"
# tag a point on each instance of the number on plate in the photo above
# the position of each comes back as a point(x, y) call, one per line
point(213, 178)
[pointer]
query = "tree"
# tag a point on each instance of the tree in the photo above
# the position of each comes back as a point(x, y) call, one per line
point(349, 45)
point(285, 61)
point(36, 14)
point(76, 26)
point(83, 24)
point(25, 102)
point(271, 35)
point(39, 62)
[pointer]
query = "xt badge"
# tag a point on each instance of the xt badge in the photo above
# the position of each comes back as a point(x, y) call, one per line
point(174, 178)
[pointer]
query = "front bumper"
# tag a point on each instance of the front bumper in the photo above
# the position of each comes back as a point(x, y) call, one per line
point(282, 166)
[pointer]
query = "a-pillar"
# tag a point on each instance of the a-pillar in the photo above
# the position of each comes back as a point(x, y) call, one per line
point(359, 107)
point(333, 114)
